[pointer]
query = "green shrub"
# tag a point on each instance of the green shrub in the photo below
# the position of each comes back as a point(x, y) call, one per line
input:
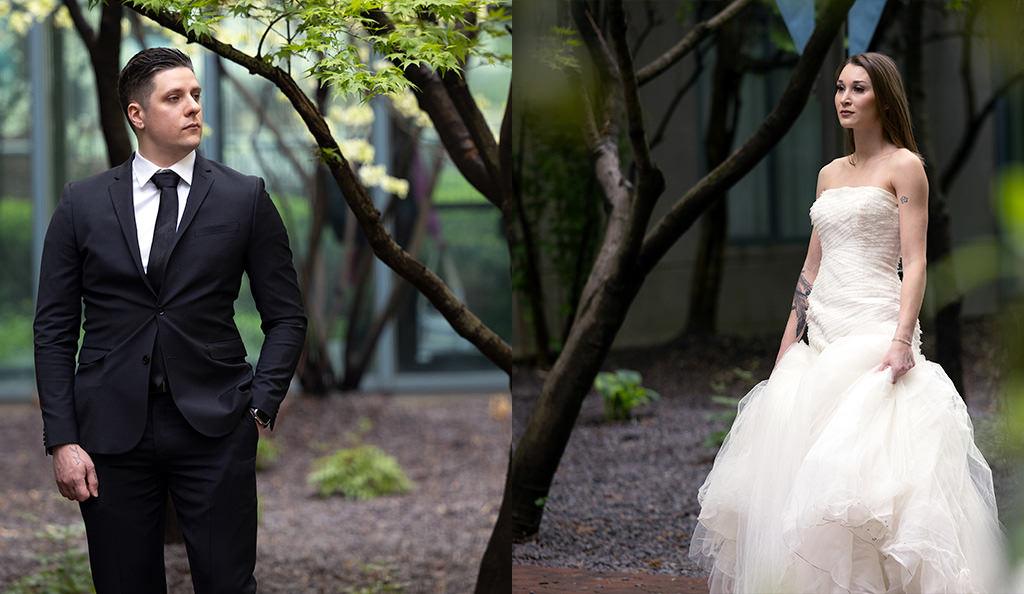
point(267, 453)
point(362, 472)
point(380, 578)
point(363, 426)
point(16, 252)
point(15, 340)
point(622, 392)
point(66, 572)
point(728, 415)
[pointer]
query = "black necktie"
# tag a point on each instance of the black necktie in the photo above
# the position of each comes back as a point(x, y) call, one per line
point(163, 237)
point(166, 226)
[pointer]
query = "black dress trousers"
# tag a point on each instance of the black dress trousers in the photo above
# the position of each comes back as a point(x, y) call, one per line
point(212, 481)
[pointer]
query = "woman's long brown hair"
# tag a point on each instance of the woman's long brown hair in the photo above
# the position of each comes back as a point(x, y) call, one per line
point(890, 98)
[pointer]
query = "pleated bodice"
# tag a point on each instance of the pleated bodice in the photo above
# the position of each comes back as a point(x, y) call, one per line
point(857, 288)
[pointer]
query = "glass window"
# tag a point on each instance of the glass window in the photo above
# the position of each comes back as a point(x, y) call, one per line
point(16, 306)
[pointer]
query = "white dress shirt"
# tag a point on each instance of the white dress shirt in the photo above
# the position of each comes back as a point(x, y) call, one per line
point(146, 197)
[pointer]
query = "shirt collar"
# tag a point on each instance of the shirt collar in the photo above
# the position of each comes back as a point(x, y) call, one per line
point(143, 169)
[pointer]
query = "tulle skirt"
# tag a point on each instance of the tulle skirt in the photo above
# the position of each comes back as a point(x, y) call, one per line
point(833, 479)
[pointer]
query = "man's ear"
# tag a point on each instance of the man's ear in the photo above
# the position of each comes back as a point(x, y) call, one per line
point(135, 112)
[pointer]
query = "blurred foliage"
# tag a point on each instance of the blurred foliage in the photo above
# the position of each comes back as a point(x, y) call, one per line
point(362, 472)
point(381, 581)
point(1010, 207)
point(15, 250)
point(452, 188)
point(622, 391)
point(65, 572)
point(267, 453)
point(16, 309)
point(363, 426)
point(561, 200)
point(335, 40)
point(720, 395)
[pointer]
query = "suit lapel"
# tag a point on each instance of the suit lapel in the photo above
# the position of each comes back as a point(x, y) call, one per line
point(124, 207)
point(202, 180)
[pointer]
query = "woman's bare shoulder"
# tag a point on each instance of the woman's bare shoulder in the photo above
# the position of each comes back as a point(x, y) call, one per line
point(906, 163)
point(827, 174)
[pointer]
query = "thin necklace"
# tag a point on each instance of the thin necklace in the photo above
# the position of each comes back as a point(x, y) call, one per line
point(850, 158)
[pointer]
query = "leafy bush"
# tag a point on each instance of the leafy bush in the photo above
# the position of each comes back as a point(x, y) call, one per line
point(267, 453)
point(66, 572)
point(16, 252)
point(380, 578)
point(727, 416)
point(362, 472)
point(622, 392)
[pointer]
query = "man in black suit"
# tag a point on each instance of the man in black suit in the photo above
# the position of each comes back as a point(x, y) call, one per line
point(163, 399)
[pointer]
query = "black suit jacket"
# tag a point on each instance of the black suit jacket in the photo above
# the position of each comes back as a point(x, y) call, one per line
point(91, 257)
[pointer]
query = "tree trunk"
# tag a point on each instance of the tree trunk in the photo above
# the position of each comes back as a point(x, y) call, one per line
point(948, 344)
point(622, 265)
point(106, 64)
point(104, 46)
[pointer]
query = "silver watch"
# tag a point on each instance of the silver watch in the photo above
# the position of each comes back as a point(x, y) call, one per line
point(261, 417)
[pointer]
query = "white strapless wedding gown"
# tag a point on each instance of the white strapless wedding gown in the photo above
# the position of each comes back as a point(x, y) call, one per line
point(833, 479)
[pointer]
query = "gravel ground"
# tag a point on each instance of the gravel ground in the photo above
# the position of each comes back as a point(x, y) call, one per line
point(454, 447)
point(624, 497)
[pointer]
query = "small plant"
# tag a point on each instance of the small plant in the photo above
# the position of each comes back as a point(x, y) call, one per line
point(363, 426)
point(267, 453)
point(381, 581)
point(622, 392)
point(362, 472)
point(727, 416)
point(66, 572)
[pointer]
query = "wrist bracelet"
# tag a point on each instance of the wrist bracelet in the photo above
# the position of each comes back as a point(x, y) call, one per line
point(903, 340)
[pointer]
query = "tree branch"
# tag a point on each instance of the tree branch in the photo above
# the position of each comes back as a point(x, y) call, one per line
point(457, 119)
point(464, 321)
point(85, 30)
point(659, 134)
point(651, 23)
point(688, 42)
point(631, 98)
point(971, 131)
point(603, 137)
point(685, 211)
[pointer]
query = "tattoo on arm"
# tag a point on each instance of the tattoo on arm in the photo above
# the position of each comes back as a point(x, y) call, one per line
point(803, 290)
point(904, 199)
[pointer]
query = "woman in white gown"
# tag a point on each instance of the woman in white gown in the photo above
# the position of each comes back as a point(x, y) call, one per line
point(853, 467)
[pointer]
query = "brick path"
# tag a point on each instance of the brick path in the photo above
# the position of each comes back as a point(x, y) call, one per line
point(534, 579)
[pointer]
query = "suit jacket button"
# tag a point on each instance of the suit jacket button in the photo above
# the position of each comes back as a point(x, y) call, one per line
point(145, 359)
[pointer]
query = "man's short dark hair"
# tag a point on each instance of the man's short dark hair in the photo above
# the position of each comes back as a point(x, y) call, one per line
point(135, 83)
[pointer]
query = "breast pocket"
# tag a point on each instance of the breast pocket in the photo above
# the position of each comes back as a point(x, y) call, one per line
point(227, 351)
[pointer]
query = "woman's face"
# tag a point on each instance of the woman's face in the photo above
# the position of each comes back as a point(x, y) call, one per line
point(855, 98)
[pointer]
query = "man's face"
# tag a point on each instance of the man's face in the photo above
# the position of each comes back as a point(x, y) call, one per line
point(171, 118)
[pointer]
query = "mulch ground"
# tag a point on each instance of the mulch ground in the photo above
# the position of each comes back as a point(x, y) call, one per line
point(533, 579)
point(454, 447)
point(624, 498)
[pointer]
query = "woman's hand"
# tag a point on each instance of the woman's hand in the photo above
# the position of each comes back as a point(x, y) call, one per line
point(899, 358)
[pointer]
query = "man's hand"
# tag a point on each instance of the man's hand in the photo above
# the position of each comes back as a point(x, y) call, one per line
point(75, 473)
